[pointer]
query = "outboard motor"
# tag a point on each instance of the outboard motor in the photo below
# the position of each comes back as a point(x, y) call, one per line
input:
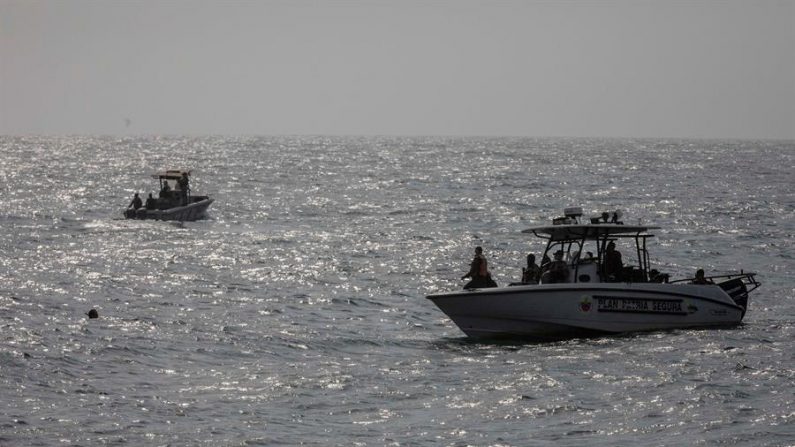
point(736, 289)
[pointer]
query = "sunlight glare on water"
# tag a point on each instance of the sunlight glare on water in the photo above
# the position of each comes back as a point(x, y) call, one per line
point(295, 314)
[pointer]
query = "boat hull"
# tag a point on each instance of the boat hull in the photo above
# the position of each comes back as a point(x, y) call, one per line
point(190, 212)
point(554, 311)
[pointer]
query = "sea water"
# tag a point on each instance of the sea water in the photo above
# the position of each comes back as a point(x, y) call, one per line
point(295, 314)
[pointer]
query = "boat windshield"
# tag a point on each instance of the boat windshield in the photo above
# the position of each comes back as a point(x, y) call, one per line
point(616, 252)
point(170, 177)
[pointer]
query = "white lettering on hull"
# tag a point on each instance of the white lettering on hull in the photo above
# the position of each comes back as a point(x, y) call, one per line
point(639, 305)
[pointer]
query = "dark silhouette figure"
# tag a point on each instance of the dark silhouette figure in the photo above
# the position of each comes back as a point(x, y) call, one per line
point(613, 263)
point(479, 272)
point(151, 202)
point(557, 270)
point(700, 279)
point(532, 273)
point(136, 202)
point(184, 187)
point(165, 192)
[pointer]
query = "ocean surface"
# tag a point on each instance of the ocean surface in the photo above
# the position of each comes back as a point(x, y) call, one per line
point(295, 314)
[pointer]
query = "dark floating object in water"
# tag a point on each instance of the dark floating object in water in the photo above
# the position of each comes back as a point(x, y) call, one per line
point(93, 313)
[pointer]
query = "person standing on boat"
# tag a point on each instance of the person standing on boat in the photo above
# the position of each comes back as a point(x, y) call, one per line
point(479, 272)
point(184, 187)
point(532, 273)
point(136, 202)
point(613, 263)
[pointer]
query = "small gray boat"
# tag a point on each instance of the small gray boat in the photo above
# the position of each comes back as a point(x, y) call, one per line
point(175, 201)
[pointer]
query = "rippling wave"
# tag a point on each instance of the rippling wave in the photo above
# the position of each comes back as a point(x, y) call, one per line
point(295, 314)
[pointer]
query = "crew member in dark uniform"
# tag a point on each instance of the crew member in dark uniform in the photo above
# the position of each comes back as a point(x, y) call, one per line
point(165, 192)
point(532, 273)
point(556, 271)
point(151, 202)
point(613, 263)
point(136, 202)
point(184, 187)
point(701, 279)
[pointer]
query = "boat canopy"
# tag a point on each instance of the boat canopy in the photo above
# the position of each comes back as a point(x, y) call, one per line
point(171, 174)
point(588, 231)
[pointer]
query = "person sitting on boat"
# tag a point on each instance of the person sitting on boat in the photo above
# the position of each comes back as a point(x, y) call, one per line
point(700, 279)
point(136, 202)
point(545, 262)
point(151, 202)
point(557, 270)
point(613, 263)
point(184, 183)
point(479, 272)
point(532, 273)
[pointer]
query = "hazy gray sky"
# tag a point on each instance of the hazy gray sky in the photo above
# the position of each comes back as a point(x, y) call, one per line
point(537, 68)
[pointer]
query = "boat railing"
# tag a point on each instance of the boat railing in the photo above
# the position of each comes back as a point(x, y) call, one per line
point(748, 279)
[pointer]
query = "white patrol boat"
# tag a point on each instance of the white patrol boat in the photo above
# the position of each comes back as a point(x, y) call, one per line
point(589, 300)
